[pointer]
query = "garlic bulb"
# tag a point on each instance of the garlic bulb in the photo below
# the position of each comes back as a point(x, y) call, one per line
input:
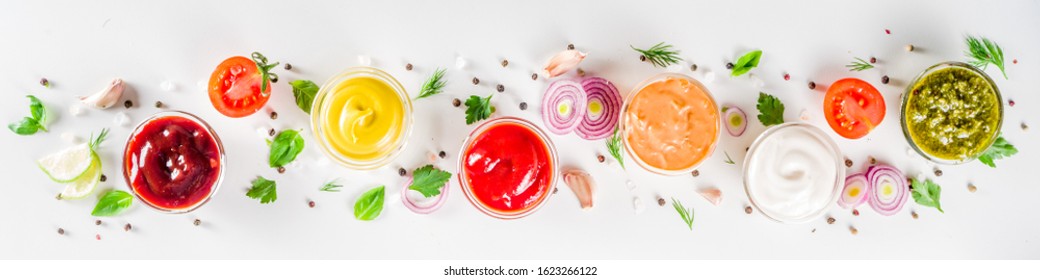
point(106, 97)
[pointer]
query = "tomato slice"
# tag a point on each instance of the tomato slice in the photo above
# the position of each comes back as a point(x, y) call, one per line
point(853, 107)
point(234, 88)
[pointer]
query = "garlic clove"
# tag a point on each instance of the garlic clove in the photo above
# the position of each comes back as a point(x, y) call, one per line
point(107, 96)
point(582, 185)
point(563, 62)
point(713, 195)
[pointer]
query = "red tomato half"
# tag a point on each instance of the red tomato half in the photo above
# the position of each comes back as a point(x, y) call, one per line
point(234, 88)
point(853, 107)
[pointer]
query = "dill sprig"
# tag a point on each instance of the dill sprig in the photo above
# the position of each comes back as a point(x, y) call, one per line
point(95, 142)
point(660, 55)
point(433, 85)
point(685, 214)
point(614, 147)
point(728, 159)
point(985, 52)
point(331, 186)
point(859, 65)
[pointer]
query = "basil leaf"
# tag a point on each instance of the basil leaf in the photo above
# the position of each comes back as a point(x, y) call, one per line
point(926, 193)
point(264, 190)
point(370, 204)
point(39, 113)
point(285, 147)
point(112, 203)
point(746, 63)
point(304, 91)
point(27, 126)
point(428, 180)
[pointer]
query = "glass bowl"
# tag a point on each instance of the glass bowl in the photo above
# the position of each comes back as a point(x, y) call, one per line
point(839, 177)
point(129, 170)
point(467, 188)
point(624, 120)
point(904, 105)
point(321, 107)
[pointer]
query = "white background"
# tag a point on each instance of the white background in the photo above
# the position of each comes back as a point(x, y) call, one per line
point(81, 45)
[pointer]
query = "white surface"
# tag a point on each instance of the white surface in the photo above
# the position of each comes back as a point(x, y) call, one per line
point(81, 45)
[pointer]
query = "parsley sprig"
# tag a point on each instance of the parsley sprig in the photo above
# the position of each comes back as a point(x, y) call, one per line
point(478, 108)
point(429, 181)
point(264, 190)
point(770, 109)
point(926, 193)
point(660, 55)
point(1001, 148)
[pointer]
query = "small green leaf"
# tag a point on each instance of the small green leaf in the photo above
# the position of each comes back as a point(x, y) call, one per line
point(770, 109)
point(746, 63)
point(370, 204)
point(434, 85)
point(926, 193)
point(1000, 149)
point(27, 126)
point(304, 91)
point(264, 190)
point(728, 159)
point(660, 55)
point(478, 108)
point(38, 111)
point(429, 180)
point(112, 203)
point(686, 215)
point(285, 147)
point(331, 186)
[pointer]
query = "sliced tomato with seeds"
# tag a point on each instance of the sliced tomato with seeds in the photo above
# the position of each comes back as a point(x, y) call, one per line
point(853, 107)
point(241, 86)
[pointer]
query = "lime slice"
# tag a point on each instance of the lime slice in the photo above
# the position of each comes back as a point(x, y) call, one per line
point(85, 185)
point(69, 164)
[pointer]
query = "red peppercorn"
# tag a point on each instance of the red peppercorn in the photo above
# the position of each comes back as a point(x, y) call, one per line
point(1011, 103)
point(787, 77)
point(888, 31)
point(1014, 61)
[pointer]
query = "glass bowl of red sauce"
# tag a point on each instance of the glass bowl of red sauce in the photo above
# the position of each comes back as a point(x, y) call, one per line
point(507, 168)
point(173, 162)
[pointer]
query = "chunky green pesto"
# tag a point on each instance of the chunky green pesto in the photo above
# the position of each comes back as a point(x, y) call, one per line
point(952, 113)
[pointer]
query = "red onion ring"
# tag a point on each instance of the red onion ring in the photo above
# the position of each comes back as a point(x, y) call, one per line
point(563, 93)
point(419, 209)
point(601, 94)
point(885, 178)
point(858, 180)
point(735, 130)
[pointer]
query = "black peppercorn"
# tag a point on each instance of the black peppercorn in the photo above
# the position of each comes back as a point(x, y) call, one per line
point(812, 85)
point(476, 81)
point(570, 46)
point(456, 102)
point(695, 173)
point(97, 222)
point(408, 67)
point(128, 227)
point(500, 88)
point(61, 231)
point(402, 172)
point(693, 67)
point(281, 169)
point(873, 59)
point(158, 104)
point(831, 220)
point(274, 115)
point(505, 63)
point(442, 154)
point(197, 222)
point(884, 79)
point(104, 178)
point(729, 65)
point(270, 132)
point(44, 82)
point(288, 66)
point(523, 106)
point(534, 77)
point(128, 104)
point(748, 209)
point(642, 58)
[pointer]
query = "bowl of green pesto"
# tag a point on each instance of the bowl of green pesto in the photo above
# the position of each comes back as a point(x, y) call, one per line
point(951, 113)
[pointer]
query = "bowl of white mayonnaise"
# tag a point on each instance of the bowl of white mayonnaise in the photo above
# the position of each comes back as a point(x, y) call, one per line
point(793, 173)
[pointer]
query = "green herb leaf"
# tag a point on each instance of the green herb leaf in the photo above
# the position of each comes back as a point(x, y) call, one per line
point(746, 62)
point(434, 85)
point(685, 214)
point(983, 52)
point(27, 126)
point(112, 203)
point(370, 204)
point(770, 109)
point(478, 108)
point(729, 160)
point(285, 147)
point(1000, 149)
point(859, 65)
point(926, 193)
point(660, 55)
point(95, 142)
point(614, 147)
point(39, 113)
point(429, 180)
point(265, 70)
point(264, 190)
point(331, 186)
point(304, 91)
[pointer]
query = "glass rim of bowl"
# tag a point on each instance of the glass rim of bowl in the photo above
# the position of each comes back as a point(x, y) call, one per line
point(624, 117)
point(317, 115)
point(220, 152)
point(906, 97)
point(464, 184)
point(839, 180)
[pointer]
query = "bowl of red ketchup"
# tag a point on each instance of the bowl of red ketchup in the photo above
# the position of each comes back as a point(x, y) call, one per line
point(508, 168)
point(173, 162)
